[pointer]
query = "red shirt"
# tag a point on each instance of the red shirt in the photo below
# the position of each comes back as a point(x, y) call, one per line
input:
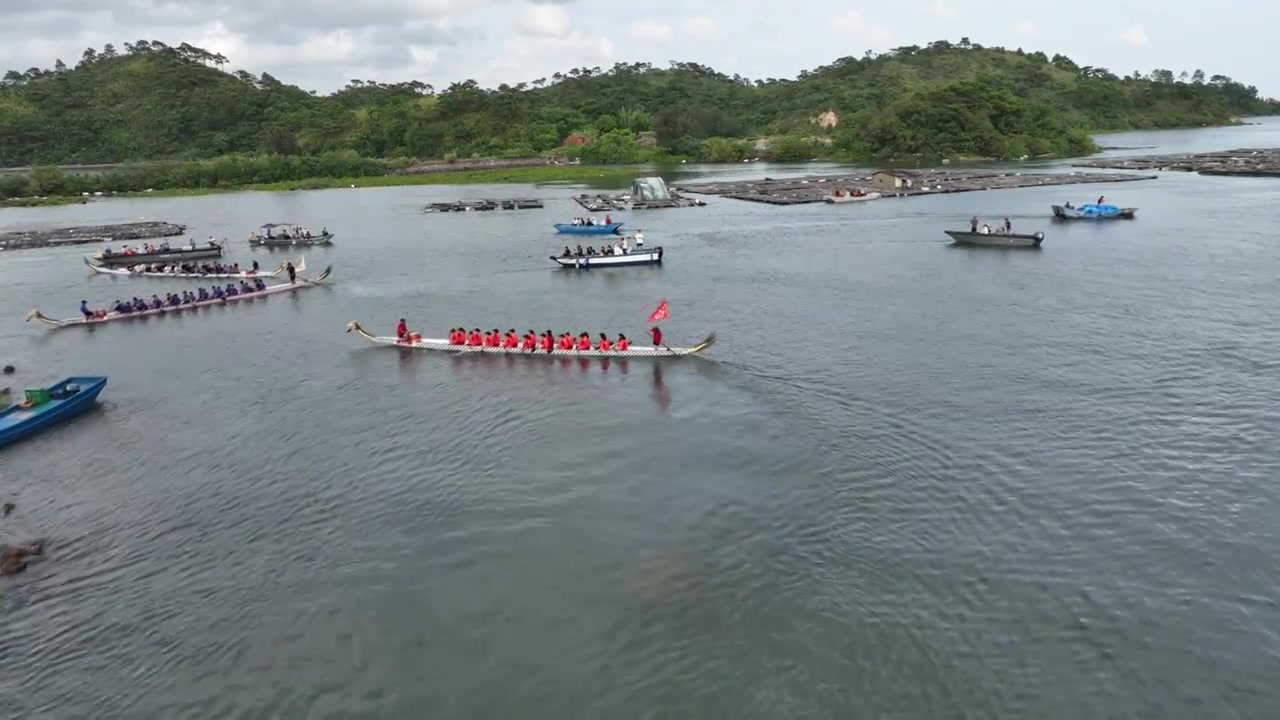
point(566, 342)
point(513, 341)
point(605, 345)
point(624, 344)
point(657, 336)
point(402, 329)
point(459, 337)
point(545, 343)
point(584, 343)
point(475, 339)
point(530, 341)
point(493, 340)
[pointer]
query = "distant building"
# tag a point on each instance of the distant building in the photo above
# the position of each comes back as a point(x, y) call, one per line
point(891, 179)
point(649, 189)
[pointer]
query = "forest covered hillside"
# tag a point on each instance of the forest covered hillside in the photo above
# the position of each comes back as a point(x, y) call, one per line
point(150, 101)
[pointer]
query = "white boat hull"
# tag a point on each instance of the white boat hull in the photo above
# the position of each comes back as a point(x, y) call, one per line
point(841, 199)
point(645, 257)
point(442, 345)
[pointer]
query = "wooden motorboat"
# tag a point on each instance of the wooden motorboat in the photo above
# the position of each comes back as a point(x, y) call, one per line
point(635, 257)
point(994, 239)
point(164, 254)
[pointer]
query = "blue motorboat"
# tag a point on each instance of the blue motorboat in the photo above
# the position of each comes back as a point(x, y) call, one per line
point(44, 407)
point(1093, 211)
point(571, 229)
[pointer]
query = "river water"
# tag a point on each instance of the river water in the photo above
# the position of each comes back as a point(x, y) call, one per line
point(910, 480)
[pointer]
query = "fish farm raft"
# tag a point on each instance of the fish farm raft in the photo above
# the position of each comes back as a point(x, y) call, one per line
point(1243, 162)
point(893, 183)
point(484, 205)
point(83, 235)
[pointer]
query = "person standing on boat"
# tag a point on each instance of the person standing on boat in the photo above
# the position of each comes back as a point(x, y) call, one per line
point(608, 219)
point(84, 309)
point(1008, 226)
point(293, 272)
point(626, 246)
point(1102, 200)
point(656, 333)
point(255, 266)
point(973, 224)
point(402, 330)
point(639, 240)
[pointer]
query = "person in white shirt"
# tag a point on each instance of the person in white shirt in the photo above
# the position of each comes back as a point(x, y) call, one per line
point(617, 249)
point(626, 246)
point(639, 240)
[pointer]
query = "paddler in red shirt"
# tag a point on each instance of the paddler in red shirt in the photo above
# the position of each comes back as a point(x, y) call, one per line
point(493, 339)
point(548, 341)
point(584, 342)
point(531, 341)
point(566, 342)
point(623, 343)
point(656, 332)
point(476, 339)
point(604, 345)
point(458, 336)
point(402, 331)
point(513, 340)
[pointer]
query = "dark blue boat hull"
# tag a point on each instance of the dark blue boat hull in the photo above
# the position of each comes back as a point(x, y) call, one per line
point(18, 424)
point(570, 229)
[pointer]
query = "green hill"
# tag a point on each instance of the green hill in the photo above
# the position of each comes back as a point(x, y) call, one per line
point(154, 102)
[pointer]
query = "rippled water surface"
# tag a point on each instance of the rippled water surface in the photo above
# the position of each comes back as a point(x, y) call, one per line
point(910, 481)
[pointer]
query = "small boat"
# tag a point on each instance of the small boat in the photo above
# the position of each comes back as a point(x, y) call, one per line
point(165, 255)
point(993, 239)
point(264, 238)
point(636, 351)
point(49, 406)
point(850, 197)
point(635, 257)
point(1093, 211)
point(134, 272)
point(571, 229)
point(175, 309)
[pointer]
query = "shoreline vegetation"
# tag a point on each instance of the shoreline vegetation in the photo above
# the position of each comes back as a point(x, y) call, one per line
point(160, 120)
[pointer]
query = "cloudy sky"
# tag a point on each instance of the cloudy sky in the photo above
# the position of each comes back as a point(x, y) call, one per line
point(320, 44)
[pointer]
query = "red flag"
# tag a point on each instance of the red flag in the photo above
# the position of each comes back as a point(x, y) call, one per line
point(661, 313)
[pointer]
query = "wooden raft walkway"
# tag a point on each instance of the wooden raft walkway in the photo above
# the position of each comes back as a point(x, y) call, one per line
point(814, 188)
point(82, 235)
point(1244, 162)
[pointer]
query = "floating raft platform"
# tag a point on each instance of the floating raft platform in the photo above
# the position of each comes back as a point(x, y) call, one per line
point(815, 188)
point(615, 203)
point(484, 205)
point(1243, 162)
point(84, 235)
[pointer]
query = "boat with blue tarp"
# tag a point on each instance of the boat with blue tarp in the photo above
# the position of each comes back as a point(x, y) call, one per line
point(574, 229)
point(1093, 211)
point(45, 407)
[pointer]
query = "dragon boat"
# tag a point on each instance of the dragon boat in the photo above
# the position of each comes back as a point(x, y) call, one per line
point(178, 309)
point(415, 342)
point(134, 272)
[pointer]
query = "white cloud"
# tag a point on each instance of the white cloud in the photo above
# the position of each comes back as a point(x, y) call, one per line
point(940, 9)
point(319, 49)
point(651, 31)
point(875, 36)
point(699, 26)
point(1135, 35)
point(542, 20)
point(1026, 29)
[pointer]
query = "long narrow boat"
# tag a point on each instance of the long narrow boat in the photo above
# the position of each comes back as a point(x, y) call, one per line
point(636, 351)
point(175, 309)
point(1093, 211)
point(171, 255)
point(1005, 240)
point(131, 272)
point(635, 257)
point(571, 229)
point(49, 406)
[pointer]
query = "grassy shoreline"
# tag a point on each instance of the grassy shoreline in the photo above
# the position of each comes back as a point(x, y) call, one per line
point(497, 176)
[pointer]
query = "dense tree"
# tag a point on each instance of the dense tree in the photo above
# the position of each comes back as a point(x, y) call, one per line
point(150, 101)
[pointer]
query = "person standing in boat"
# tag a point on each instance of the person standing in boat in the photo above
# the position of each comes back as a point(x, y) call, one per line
point(1102, 200)
point(656, 333)
point(639, 240)
point(1008, 226)
point(402, 330)
point(293, 272)
point(973, 224)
